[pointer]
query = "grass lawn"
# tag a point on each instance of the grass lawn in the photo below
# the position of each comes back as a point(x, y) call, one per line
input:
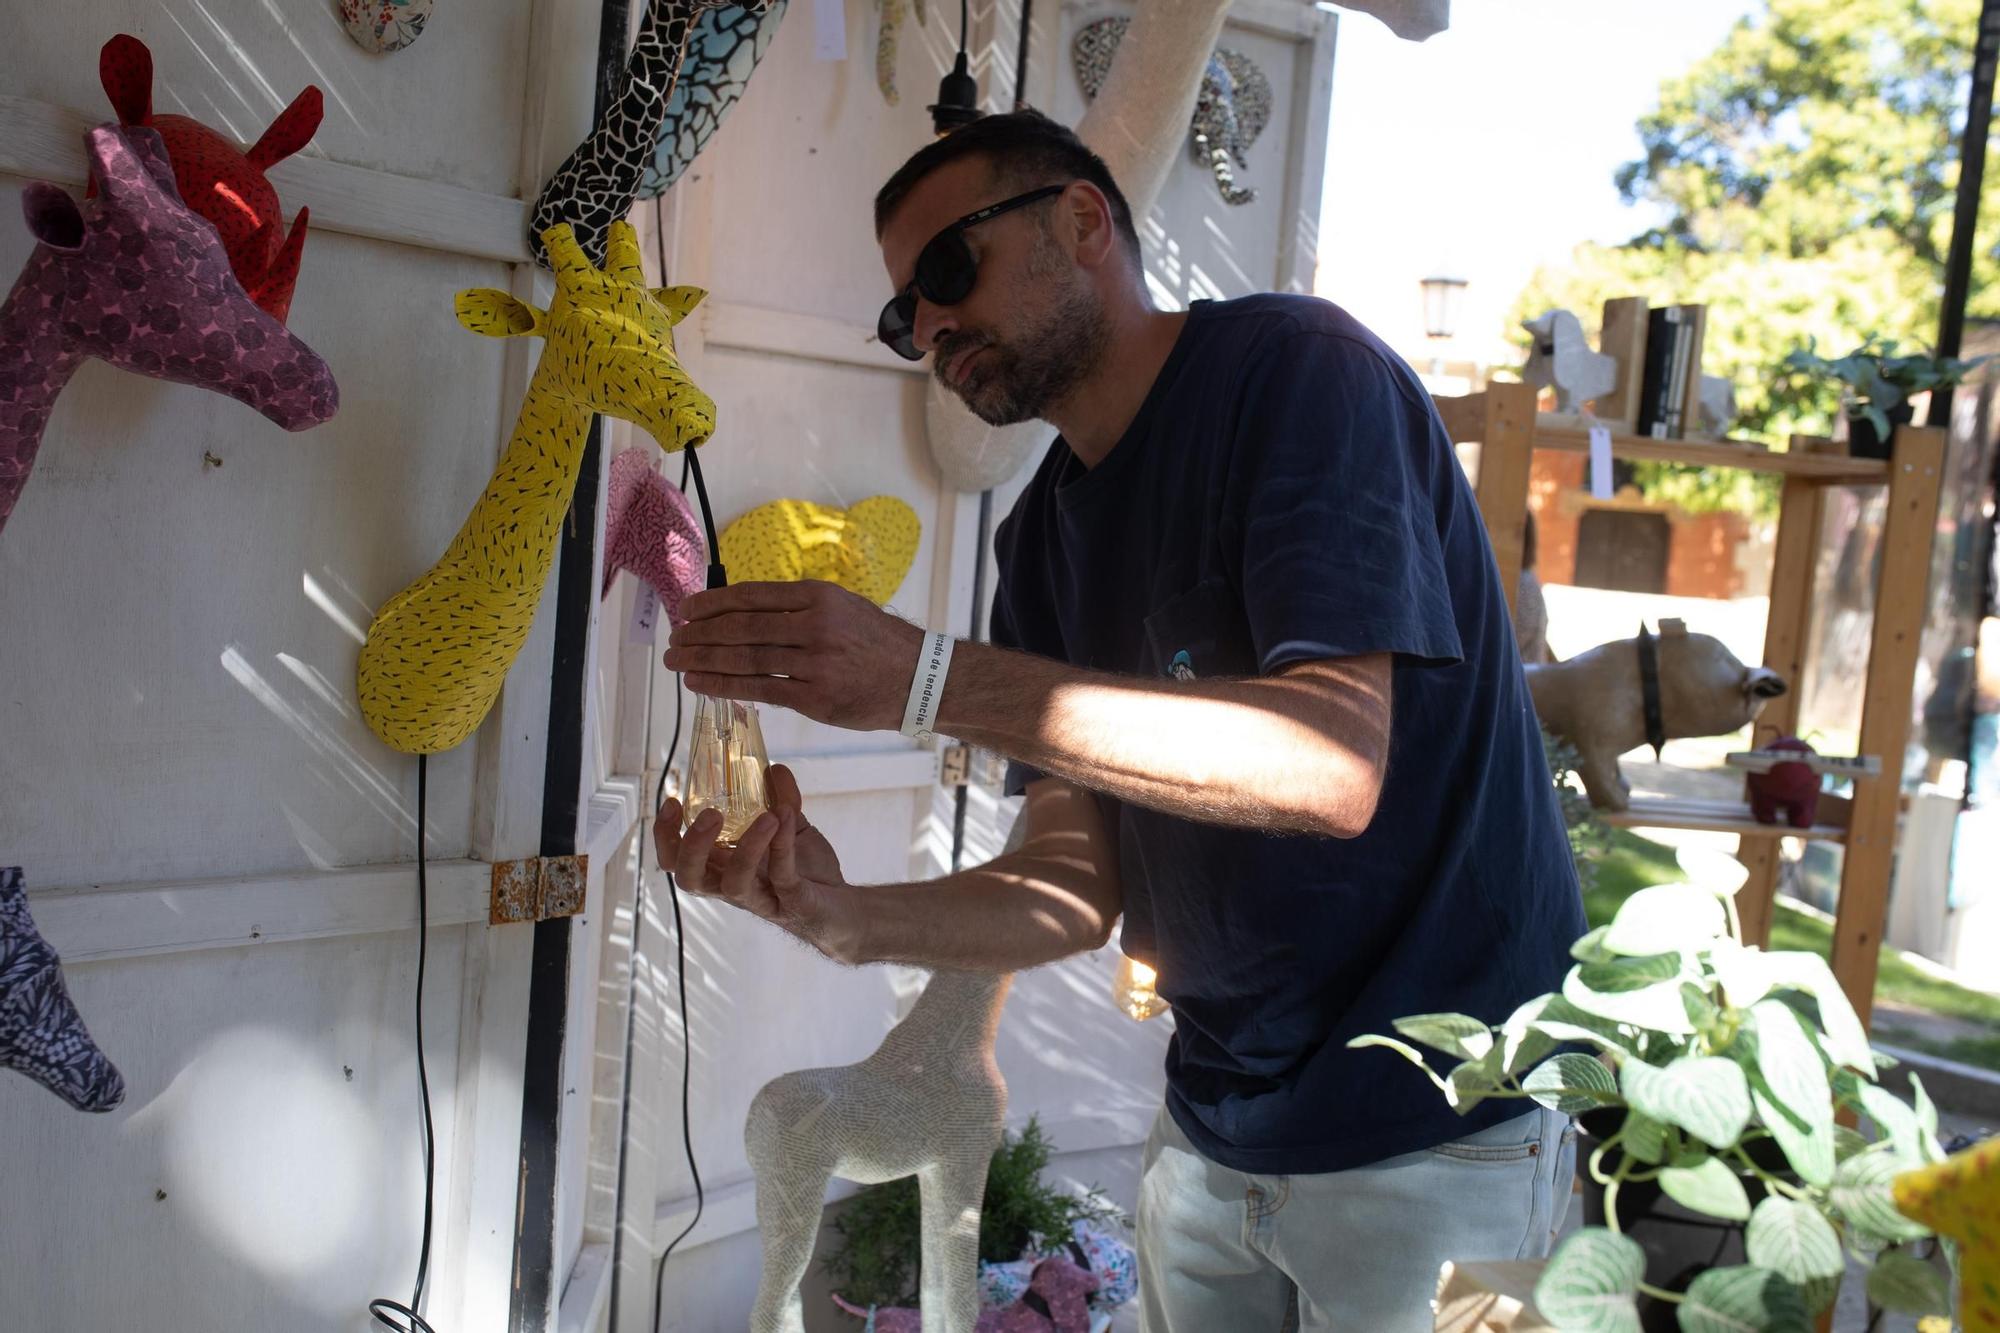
point(1632, 862)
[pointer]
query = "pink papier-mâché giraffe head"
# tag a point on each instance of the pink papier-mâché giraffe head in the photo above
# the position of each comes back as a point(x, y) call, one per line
point(134, 278)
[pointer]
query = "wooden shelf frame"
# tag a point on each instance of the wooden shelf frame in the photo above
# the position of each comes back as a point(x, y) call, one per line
point(1503, 421)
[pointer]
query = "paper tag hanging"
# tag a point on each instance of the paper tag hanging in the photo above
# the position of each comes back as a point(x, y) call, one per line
point(645, 615)
point(829, 29)
point(1600, 463)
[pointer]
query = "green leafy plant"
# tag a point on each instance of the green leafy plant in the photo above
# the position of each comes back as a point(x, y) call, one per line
point(1589, 837)
point(878, 1257)
point(1717, 1054)
point(1877, 382)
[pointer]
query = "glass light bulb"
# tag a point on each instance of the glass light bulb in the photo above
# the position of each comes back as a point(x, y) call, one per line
point(726, 763)
point(1133, 990)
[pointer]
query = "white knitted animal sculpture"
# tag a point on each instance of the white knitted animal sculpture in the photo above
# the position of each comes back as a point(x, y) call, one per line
point(929, 1102)
point(1561, 356)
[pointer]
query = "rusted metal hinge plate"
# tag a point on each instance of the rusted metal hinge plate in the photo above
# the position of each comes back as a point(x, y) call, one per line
point(539, 888)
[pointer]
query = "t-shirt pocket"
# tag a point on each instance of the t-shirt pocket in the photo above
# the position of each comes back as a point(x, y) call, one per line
point(1201, 634)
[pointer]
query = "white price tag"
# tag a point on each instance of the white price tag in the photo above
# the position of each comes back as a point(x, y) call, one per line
point(645, 615)
point(1600, 462)
point(829, 29)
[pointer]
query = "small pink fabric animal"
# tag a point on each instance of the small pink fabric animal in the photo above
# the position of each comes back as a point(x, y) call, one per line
point(134, 278)
point(650, 530)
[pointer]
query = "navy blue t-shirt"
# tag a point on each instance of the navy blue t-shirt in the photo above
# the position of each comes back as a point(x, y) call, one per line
point(1288, 493)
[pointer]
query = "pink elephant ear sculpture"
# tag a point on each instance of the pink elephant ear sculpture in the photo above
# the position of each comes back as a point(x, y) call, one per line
point(133, 277)
point(650, 529)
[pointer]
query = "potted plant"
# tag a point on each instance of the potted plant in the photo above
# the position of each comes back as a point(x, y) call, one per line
point(1711, 1072)
point(877, 1260)
point(1877, 386)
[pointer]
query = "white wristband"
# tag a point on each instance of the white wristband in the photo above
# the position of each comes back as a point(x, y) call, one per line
point(927, 686)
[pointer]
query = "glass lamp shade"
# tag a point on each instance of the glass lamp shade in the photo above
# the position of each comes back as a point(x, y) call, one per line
point(1442, 295)
point(726, 763)
point(1132, 990)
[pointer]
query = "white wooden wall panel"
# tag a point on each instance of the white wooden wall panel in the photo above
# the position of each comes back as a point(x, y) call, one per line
point(190, 627)
point(264, 1170)
point(177, 645)
point(445, 109)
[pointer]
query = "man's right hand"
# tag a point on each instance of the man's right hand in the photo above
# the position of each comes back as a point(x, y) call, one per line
point(782, 868)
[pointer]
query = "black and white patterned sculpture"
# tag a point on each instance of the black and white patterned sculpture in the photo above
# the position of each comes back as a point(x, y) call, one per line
point(930, 1103)
point(1230, 111)
point(721, 56)
point(41, 1034)
point(596, 184)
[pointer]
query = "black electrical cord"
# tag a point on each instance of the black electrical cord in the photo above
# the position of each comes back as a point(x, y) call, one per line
point(688, 465)
point(389, 1313)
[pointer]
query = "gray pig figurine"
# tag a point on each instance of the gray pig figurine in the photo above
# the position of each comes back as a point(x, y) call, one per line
point(1595, 701)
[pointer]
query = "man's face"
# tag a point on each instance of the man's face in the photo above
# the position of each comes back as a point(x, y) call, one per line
point(1031, 327)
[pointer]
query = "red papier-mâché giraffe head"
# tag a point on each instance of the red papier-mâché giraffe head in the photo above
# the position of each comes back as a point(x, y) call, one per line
point(133, 278)
point(221, 181)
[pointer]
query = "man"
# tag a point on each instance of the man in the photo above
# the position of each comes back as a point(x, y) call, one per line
point(1253, 666)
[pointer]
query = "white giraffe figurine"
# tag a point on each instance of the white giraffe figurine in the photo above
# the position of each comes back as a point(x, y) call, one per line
point(929, 1102)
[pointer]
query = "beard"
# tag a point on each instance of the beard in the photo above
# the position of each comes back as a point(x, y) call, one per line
point(1024, 377)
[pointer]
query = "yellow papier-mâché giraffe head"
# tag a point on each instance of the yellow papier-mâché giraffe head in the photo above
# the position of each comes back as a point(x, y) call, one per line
point(439, 651)
point(610, 339)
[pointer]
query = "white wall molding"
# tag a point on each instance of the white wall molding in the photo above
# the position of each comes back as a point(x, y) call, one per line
point(45, 142)
point(750, 328)
point(133, 920)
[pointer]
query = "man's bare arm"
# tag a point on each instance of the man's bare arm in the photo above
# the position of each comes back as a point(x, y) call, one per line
point(1303, 750)
point(1057, 895)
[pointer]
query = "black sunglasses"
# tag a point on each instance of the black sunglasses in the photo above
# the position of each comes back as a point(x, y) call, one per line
point(945, 275)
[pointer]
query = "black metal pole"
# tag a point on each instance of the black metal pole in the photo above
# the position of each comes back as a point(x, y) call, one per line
point(535, 1277)
point(1971, 182)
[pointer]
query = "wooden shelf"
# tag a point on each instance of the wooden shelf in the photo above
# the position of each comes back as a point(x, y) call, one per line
point(1712, 817)
point(1833, 469)
point(1465, 419)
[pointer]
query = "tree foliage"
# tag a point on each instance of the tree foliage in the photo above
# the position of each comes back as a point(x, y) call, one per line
point(1806, 169)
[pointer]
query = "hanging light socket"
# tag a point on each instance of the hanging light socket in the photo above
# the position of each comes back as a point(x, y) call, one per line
point(958, 99)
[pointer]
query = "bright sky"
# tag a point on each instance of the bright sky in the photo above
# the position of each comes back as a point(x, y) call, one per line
point(1490, 149)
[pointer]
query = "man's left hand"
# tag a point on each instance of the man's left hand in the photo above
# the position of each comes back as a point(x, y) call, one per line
point(812, 647)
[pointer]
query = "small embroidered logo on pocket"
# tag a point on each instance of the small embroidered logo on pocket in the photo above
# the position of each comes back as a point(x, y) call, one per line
point(1183, 666)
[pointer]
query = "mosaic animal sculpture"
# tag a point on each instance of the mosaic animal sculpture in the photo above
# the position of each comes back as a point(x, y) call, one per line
point(1960, 1198)
point(1597, 700)
point(929, 1102)
point(133, 278)
point(867, 549)
point(891, 24)
point(1136, 124)
point(650, 529)
point(220, 181)
point(1231, 110)
point(1560, 356)
point(721, 56)
point(598, 181)
point(41, 1033)
point(438, 651)
point(383, 26)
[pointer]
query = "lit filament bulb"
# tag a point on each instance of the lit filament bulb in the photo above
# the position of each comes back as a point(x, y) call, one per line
point(726, 763)
point(1133, 991)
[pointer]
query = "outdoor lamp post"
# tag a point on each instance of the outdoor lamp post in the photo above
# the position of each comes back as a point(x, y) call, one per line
point(1442, 294)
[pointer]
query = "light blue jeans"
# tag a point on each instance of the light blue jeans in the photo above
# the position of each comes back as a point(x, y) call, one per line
point(1223, 1251)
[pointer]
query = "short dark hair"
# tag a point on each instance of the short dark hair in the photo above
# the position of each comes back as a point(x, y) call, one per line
point(1025, 149)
